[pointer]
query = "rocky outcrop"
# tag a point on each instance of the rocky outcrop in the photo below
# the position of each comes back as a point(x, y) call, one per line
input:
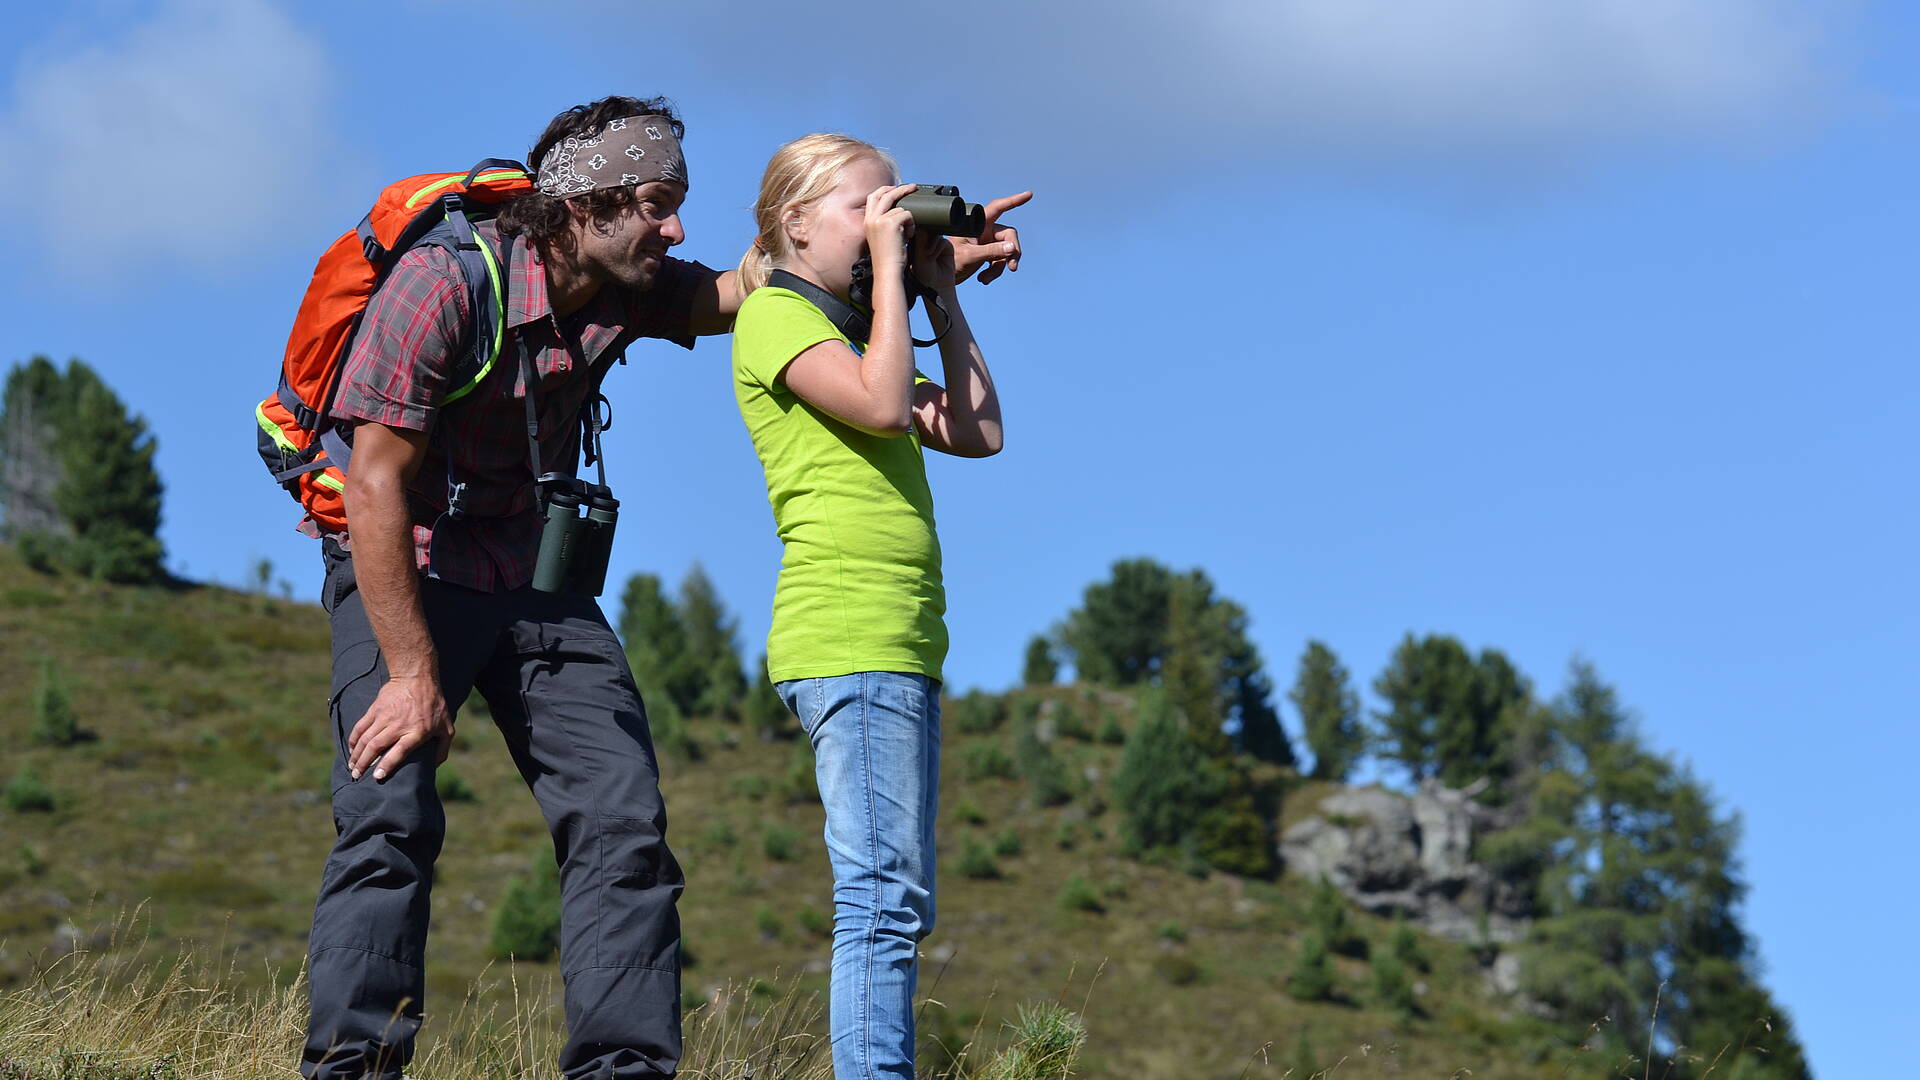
point(1410, 855)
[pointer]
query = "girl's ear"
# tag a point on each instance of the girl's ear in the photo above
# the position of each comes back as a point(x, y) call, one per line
point(794, 223)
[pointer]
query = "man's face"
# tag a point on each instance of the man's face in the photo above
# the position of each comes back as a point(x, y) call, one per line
point(629, 249)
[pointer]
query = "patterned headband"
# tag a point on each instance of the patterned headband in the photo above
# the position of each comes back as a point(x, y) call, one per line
point(628, 151)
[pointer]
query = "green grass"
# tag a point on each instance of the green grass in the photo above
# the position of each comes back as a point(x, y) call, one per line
point(200, 801)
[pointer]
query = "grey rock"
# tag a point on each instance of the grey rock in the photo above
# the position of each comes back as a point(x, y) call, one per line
point(1410, 855)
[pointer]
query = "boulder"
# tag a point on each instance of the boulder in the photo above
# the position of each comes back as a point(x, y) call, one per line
point(1410, 855)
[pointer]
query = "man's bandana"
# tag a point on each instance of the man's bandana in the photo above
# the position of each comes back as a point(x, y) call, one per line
point(630, 151)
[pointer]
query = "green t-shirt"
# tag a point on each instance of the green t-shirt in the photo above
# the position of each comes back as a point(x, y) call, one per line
point(860, 585)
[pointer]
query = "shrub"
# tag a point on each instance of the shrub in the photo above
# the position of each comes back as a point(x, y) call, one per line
point(976, 862)
point(813, 921)
point(1067, 836)
point(28, 794)
point(53, 721)
point(767, 922)
point(1110, 732)
point(1045, 775)
point(452, 786)
point(1406, 948)
point(1312, 977)
point(987, 761)
point(1007, 844)
point(969, 814)
point(1173, 932)
point(1391, 987)
point(1175, 969)
point(977, 713)
point(720, 834)
point(753, 787)
point(1078, 894)
point(1329, 917)
point(780, 843)
point(527, 926)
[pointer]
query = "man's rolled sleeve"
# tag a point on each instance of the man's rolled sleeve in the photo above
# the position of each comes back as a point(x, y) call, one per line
point(403, 356)
point(666, 310)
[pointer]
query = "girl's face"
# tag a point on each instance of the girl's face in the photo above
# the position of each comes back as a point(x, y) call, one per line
point(829, 235)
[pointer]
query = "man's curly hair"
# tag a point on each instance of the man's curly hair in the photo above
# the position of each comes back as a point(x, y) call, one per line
point(542, 219)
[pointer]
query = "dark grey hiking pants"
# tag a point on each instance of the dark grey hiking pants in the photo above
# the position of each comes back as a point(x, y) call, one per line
point(557, 682)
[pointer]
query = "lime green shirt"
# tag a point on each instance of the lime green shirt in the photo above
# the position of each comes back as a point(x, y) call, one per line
point(860, 586)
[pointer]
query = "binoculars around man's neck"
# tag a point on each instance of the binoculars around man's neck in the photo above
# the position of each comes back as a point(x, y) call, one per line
point(577, 538)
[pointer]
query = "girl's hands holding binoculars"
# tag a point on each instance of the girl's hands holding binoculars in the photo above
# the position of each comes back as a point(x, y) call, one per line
point(888, 228)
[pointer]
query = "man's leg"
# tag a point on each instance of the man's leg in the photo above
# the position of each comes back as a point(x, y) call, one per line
point(876, 747)
point(365, 956)
point(565, 700)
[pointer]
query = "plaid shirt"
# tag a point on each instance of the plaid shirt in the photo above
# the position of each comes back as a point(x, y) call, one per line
point(408, 352)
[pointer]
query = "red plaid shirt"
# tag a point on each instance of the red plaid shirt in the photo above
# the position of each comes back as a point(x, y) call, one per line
point(408, 352)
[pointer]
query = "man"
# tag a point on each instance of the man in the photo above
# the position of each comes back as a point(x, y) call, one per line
point(430, 602)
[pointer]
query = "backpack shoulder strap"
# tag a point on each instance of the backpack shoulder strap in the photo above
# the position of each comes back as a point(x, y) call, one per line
point(484, 272)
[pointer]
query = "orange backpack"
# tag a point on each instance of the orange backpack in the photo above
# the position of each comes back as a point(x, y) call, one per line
point(297, 439)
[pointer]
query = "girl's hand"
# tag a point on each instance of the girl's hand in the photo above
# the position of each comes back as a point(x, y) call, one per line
point(933, 262)
point(888, 228)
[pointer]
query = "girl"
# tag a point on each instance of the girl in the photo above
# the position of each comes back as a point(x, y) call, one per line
point(858, 637)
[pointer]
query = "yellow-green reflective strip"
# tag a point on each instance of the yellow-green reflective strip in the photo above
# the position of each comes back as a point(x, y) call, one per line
point(490, 174)
point(279, 437)
point(500, 321)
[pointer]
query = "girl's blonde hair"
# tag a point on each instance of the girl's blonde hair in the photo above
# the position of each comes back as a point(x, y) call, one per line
point(800, 174)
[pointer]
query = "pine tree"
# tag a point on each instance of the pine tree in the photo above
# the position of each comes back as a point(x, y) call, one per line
point(763, 709)
point(54, 722)
point(527, 924)
point(75, 466)
point(1165, 783)
point(1642, 891)
point(1329, 713)
point(1150, 626)
point(1040, 667)
point(109, 491)
point(655, 642)
point(1448, 712)
point(709, 682)
point(1305, 1065)
point(1312, 976)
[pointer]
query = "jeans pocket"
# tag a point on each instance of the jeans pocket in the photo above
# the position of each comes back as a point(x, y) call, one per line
point(806, 699)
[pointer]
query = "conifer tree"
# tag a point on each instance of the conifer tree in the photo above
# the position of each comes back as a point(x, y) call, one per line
point(1040, 668)
point(709, 682)
point(1312, 975)
point(109, 491)
point(1448, 712)
point(1643, 891)
point(1149, 626)
point(654, 639)
point(1329, 712)
point(74, 465)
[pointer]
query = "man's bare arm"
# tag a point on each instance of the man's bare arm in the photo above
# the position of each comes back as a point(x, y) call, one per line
point(410, 708)
point(716, 302)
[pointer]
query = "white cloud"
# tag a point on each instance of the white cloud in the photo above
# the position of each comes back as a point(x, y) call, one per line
point(1391, 77)
point(186, 137)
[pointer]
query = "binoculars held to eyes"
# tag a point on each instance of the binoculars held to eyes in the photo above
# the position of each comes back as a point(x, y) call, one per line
point(939, 207)
point(577, 539)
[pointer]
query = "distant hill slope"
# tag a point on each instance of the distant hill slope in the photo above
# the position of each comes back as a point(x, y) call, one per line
point(197, 795)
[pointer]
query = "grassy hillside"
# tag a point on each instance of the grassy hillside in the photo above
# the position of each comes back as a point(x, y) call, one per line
point(197, 797)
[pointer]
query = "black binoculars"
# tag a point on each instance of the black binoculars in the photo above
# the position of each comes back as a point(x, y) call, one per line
point(939, 207)
point(577, 538)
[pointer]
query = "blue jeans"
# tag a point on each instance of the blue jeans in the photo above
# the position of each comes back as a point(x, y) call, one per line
point(876, 746)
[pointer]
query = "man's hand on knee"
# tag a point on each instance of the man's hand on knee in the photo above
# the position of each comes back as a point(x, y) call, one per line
point(408, 711)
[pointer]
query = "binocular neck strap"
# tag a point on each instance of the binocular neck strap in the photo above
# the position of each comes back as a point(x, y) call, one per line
point(527, 377)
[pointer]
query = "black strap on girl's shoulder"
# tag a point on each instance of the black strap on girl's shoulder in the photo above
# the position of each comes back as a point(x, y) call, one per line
point(849, 320)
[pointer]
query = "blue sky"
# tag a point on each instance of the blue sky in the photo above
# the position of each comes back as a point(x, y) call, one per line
point(1573, 329)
